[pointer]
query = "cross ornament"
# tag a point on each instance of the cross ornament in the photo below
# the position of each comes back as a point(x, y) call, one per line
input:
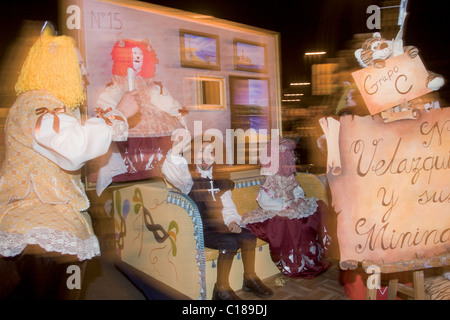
point(213, 190)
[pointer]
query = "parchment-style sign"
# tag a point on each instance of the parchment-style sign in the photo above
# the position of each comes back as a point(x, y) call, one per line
point(392, 194)
point(402, 79)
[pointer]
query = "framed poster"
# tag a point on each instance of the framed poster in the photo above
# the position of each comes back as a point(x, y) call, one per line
point(249, 103)
point(250, 56)
point(250, 112)
point(199, 50)
point(182, 59)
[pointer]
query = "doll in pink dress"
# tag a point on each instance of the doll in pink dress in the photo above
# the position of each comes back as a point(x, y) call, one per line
point(160, 114)
point(287, 220)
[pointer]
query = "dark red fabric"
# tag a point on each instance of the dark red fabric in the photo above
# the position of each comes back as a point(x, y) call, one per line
point(143, 157)
point(294, 243)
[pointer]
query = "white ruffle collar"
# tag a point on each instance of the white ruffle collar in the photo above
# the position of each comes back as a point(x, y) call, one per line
point(205, 173)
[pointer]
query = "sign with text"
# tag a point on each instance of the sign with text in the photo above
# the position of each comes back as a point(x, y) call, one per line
point(402, 79)
point(392, 195)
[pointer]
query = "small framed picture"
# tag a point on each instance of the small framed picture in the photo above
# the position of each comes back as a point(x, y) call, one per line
point(250, 102)
point(199, 50)
point(210, 93)
point(250, 56)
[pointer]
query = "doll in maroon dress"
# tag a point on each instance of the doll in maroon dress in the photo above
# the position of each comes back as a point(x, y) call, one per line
point(287, 220)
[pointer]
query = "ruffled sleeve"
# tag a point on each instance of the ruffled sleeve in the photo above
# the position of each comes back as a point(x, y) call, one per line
point(229, 211)
point(267, 201)
point(75, 143)
point(176, 171)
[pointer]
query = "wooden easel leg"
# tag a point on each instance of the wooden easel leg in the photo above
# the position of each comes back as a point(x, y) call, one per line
point(419, 286)
point(392, 290)
point(371, 294)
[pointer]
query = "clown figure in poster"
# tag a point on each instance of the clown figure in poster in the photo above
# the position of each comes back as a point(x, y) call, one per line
point(134, 66)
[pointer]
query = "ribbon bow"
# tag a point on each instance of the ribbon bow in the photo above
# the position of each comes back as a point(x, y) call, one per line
point(159, 83)
point(183, 111)
point(42, 112)
point(101, 114)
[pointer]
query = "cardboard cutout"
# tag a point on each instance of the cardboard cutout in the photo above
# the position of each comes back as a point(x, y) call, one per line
point(389, 185)
point(393, 75)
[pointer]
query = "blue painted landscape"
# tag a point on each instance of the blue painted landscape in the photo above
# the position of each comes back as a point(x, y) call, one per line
point(201, 49)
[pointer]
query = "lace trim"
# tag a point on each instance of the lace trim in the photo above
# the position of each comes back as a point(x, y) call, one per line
point(11, 198)
point(119, 127)
point(281, 186)
point(12, 244)
point(82, 193)
point(205, 173)
point(32, 188)
point(303, 209)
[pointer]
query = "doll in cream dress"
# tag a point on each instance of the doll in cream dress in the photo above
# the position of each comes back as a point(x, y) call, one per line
point(44, 223)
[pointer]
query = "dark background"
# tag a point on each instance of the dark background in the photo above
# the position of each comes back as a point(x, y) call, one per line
point(308, 25)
